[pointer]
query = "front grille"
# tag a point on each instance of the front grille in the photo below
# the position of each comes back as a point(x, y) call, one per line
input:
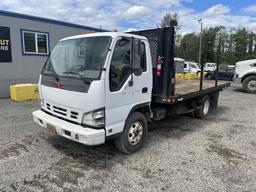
point(55, 111)
point(61, 109)
point(48, 106)
point(62, 112)
point(74, 115)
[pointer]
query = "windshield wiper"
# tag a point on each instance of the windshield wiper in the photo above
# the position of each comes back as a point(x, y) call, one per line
point(53, 71)
point(70, 72)
point(84, 79)
point(55, 75)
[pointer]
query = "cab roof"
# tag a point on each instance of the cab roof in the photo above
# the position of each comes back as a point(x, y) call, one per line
point(109, 34)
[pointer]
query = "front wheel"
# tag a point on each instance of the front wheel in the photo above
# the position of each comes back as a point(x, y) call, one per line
point(203, 111)
point(249, 84)
point(133, 135)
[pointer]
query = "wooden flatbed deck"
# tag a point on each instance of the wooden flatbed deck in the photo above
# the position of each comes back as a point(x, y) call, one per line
point(183, 87)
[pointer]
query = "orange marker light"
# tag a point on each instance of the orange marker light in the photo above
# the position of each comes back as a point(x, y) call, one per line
point(87, 32)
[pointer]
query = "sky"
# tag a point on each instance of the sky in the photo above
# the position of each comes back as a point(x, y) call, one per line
point(140, 14)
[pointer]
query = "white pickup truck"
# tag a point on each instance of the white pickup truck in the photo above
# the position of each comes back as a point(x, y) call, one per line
point(191, 67)
point(101, 86)
point(210, 67)
point(245, 74)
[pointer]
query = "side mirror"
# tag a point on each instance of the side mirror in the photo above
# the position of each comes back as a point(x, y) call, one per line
point(136, 67)
point(253, 65)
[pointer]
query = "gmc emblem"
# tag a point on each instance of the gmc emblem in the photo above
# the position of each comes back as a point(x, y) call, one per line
point(58, 85)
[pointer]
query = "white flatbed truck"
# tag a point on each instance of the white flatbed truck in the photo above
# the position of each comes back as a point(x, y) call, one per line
point(111, 85)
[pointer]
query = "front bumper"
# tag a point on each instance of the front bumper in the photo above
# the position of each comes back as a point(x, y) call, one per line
point(70, 131)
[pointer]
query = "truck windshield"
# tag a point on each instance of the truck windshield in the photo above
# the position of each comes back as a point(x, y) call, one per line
point(83, 57)
point(193, 66)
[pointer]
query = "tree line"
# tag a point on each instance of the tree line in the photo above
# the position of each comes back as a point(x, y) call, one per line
point(219, 44)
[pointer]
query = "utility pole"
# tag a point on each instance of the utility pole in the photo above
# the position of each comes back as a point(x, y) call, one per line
point(200, 43)
point(200, 54)
point(218, 59)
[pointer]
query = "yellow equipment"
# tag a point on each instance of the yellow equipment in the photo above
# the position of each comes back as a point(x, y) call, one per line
point(24, 92)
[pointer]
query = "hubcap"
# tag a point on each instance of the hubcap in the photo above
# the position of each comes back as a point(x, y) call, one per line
point(252, 85)
point(206, 106)
point(135, 133)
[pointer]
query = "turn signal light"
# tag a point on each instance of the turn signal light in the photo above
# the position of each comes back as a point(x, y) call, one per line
point(87, 32)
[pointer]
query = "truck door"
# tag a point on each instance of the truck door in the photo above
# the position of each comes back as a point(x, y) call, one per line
point(185, 67)
point(126, 89)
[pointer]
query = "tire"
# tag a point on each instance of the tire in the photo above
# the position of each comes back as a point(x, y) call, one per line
point(249, 84)
point(203, 112)
point(133, 135)
point(209, 76)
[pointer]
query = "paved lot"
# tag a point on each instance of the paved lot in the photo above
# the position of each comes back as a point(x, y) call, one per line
point(181, 154)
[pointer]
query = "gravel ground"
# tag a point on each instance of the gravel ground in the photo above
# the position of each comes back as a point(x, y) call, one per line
point(180, 154)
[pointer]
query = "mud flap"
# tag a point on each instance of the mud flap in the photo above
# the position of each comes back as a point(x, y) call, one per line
point(214, 101)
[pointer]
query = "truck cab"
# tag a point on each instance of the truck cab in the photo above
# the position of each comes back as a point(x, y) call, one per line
point(245, 74)
point(210, 67)
point(91, 83)
point(191, 67)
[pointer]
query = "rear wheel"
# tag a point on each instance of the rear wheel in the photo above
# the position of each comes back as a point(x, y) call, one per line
point(205, 109)
point(210, 76)
point(133, 135)
point(249, 84)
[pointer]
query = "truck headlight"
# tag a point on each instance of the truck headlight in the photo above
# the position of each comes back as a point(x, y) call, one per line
point(95, 118)
point(42, 102)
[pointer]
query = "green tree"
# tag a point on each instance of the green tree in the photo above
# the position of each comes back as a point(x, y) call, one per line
point(229, 51)
point(165, 21)
point(218, 43)
point(189, 47)
point(209, 45)
point(241, 43)
point(250, 43)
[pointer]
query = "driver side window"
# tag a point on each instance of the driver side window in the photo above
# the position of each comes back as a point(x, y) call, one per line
point(120, 68)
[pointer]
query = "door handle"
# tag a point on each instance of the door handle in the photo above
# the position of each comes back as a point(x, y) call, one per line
point(144, 90)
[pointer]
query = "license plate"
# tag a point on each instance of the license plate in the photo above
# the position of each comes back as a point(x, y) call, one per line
point(51, 129)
